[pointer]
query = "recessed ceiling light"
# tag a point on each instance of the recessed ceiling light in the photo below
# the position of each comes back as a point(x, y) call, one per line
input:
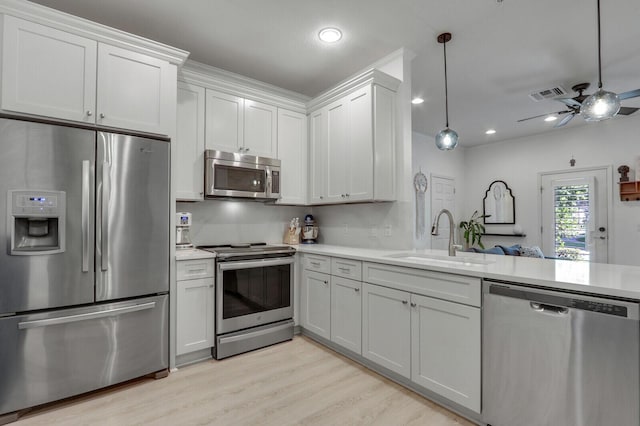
point(551, 118)
point(490, 132)
point(330, 35)
point(417, 101)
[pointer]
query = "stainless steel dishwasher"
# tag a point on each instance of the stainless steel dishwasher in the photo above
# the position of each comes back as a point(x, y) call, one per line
point(555, 358)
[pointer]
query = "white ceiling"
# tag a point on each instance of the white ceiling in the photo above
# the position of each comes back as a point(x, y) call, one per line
point(500, 52)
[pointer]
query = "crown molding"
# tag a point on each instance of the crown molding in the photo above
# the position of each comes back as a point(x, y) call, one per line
point(370, 76)
point(238, 85)
point(92, 30)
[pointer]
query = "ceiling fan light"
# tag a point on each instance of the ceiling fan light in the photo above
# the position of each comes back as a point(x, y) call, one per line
point(602, 105)
point(447, 139)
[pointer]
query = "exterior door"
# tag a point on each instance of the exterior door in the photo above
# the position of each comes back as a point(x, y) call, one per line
point(443, 196)
point(574, 210)
point(132, 241)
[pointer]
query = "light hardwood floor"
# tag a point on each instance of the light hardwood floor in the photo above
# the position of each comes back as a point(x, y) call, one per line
point(294, 383)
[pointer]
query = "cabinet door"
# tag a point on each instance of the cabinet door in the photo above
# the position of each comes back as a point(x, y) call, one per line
point(316, 303)
point(260, 129)
point(317, 156)
point(224, 121)
point(446, 349)
point(360, 146)
point(337, 151)
point(135, 91)
point(195, 304)
point(47, 72)
point(292, 152)
point(386, 325)
point(346, 313)
point(188, 146)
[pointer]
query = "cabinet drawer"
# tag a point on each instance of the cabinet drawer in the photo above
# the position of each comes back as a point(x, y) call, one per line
point(346, 268)
point(196, 268)
point(317, 263)
point(456, 288)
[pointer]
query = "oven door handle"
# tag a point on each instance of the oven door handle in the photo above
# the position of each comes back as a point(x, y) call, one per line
point(229, 266)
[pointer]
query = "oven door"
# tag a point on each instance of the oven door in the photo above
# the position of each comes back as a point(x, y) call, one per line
point(236, 179)
point(253, 292)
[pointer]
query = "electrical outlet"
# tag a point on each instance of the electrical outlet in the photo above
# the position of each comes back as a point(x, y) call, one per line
point(373, 231)
point(346, 228)
point(387, 230)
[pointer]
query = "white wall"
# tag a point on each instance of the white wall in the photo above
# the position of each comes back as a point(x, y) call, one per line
point(430, 160)
point(518, 162)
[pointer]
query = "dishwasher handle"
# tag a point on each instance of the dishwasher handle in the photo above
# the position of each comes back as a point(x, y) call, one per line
point(543, 307)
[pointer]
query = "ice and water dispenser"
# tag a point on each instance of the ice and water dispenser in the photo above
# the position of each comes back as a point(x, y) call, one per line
point(36, 221)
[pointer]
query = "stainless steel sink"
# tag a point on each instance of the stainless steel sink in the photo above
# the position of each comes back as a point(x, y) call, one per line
point(445, 260)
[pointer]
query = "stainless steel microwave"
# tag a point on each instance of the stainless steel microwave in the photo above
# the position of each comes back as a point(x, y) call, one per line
point(229, 174)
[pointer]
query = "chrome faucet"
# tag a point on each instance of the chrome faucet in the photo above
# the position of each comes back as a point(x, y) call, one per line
point(434, 230)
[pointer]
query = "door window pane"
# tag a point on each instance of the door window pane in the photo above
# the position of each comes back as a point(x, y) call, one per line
point(571, 217)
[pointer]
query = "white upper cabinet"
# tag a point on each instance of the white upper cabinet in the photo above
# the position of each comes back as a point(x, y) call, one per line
point(188, 146)
point(47, 72)
point(60, 75)
point(317, 156)
point(235, 124)
point(224, 122)
point(260, 129)
point(135, 91)
point(292, 152)
point(352, 142)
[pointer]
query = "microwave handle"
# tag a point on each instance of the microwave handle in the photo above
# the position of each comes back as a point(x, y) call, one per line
point(269, 181)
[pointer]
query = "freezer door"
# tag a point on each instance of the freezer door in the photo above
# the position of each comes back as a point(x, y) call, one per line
point(132, 230)
point(49, 261)
point(49, 356)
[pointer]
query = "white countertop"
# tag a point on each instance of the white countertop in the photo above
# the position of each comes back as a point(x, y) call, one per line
point(597, 278)
point(193, 253)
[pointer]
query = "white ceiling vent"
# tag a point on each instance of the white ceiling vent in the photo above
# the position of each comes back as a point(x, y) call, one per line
point(541, 95)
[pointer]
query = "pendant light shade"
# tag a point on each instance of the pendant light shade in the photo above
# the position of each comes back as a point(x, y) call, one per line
point(602, 105)
point(447, 139)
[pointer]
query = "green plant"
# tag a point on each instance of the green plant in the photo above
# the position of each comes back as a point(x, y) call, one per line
point(473, 229)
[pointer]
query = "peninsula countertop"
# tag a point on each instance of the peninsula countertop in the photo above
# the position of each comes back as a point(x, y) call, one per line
point(596, 278)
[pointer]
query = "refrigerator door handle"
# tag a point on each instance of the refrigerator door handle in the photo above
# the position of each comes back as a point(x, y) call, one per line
point(85, 214)
point(104, 218)
point(85, 317)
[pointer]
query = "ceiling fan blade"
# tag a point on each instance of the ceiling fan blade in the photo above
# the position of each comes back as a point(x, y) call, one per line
point(629, 94)
point(565, 120)
point(543, 115)
point(627, 110)
point(570, 102)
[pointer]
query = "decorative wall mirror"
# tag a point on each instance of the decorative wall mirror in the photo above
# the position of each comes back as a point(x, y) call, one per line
point(499, 204)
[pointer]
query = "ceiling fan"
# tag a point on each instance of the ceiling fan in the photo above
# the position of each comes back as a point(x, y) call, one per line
point(574, 104)
point(598, 106)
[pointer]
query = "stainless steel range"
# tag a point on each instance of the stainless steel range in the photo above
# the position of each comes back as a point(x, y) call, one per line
point(254, 296)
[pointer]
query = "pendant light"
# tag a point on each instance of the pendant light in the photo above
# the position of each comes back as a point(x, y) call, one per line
point(602, 105)
point(447, 139)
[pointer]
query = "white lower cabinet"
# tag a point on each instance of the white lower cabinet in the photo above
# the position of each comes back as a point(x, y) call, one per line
point(386, 328)
point(346, 313)
point(195, 305)
point(315, 296)
point(445, 349)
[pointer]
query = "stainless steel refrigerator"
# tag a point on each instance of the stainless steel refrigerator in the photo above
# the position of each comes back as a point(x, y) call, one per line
point(84, 272)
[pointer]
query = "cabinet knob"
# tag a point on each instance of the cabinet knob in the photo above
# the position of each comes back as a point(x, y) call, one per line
point(101, 115)
point(321, 197)
point(347, 195)
point(357, 290)
point(89, 113)
point(413, 305)
point(342, 195)
point(326, 282)
point(404, 302)
point(246, 150)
